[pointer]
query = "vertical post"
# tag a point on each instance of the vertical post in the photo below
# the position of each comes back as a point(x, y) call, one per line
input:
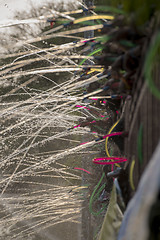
point(87, 229)
point(88, 3)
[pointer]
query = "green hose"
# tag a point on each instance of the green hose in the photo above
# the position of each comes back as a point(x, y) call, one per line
point(109, 9)
point(92, 53)
point(95, 196)
point(148, 66)
point(103, 39)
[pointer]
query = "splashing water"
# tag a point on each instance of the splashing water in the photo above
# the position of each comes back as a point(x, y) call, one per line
point(42, 87)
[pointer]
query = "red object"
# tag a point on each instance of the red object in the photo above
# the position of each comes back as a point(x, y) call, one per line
point(116, 160)
point(82, 170)
point(51, 24)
